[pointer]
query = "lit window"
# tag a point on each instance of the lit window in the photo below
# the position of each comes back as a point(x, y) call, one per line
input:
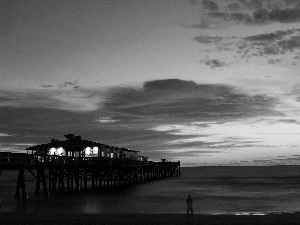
point(95, 151)
point(87, 152)
point(61, 151)
point(52, 151)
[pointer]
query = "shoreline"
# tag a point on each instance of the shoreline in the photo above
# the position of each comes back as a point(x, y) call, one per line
point(10, 218)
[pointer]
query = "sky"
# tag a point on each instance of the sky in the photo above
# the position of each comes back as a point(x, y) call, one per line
point(206, 82)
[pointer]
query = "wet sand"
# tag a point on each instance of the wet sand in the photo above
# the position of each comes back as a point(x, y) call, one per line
point(145, 219)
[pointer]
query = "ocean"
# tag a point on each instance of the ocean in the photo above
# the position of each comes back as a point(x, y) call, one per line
point(214, 190)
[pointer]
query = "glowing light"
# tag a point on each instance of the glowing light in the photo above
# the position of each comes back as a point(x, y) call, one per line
point(91, 152)
point(87, 151)
point(95, 151)
point(60, 151)
point(52, 151)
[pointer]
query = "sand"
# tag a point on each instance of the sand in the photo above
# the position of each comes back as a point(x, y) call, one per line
point(146, 219)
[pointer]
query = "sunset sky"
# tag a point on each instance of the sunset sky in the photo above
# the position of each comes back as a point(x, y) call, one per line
point(201, 81)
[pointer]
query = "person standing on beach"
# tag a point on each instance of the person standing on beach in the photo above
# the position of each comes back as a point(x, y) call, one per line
point(189, 207)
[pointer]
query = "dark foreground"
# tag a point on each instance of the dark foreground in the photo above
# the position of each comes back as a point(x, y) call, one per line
point(147, 219)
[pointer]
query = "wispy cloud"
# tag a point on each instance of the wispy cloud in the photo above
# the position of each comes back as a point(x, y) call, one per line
point(74, 83)
point(107, 119)
point(5, 135)
point(71, 100)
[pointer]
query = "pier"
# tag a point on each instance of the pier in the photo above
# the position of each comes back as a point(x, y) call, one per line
point(75, 165)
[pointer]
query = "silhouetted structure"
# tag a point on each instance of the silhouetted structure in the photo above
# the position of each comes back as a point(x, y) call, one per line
point(74, 164)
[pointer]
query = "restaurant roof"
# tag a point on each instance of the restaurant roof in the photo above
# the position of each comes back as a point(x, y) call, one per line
point(74, 141)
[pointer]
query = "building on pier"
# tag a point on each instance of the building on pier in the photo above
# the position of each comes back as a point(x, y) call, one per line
point(74, 146)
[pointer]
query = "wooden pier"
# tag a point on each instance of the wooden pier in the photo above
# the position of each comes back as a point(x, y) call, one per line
point(80, 165)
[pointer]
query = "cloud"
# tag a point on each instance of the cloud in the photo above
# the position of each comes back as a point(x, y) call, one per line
point(47, 85)
point(107, 119)
point(248, 12)
point(70, 99)
point(275, 36)
point(156, 118)
point(240, 18)
point(214, 63)
point(4, 135)
point(233, 6)
point(284, 15)
point(260, 16)
point(274, 61)
point(64, 85)
point(210, 5)
point(278, 47)
point(173, 100)
point(208, 39)
point(169, 84)
point(67, 84)
point(289, 121)
point(251, 4)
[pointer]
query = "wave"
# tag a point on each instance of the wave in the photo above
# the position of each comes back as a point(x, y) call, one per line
point(251, 213)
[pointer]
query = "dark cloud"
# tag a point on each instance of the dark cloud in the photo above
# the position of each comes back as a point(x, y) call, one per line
point(274, 61)
point(47, 85)
point(260, 16)
point(263, 15)
point(284, 43)
point(277, 35)
point(291, 2)
point(252, 12)
point(210, 5)
point(247, 12)
point(241, 18)
point(214, 63)
point(233, 6)
point(279, 42)
point(219, 15)
point(290, 44)
point(289, 121)
point(67, 84)
point(251, 4)
point(208, 39)
point(186, 101)
point(284, 15)
point(169, 84)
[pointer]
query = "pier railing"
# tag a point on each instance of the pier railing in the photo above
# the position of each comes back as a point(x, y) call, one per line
point(8, 159)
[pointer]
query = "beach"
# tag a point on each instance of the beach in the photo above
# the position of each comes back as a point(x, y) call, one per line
point(143, 219)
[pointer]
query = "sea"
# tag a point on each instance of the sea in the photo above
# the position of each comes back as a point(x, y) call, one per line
point(215, 190)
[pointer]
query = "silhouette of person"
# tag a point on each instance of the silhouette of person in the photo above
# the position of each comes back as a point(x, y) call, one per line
point(189, 207)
